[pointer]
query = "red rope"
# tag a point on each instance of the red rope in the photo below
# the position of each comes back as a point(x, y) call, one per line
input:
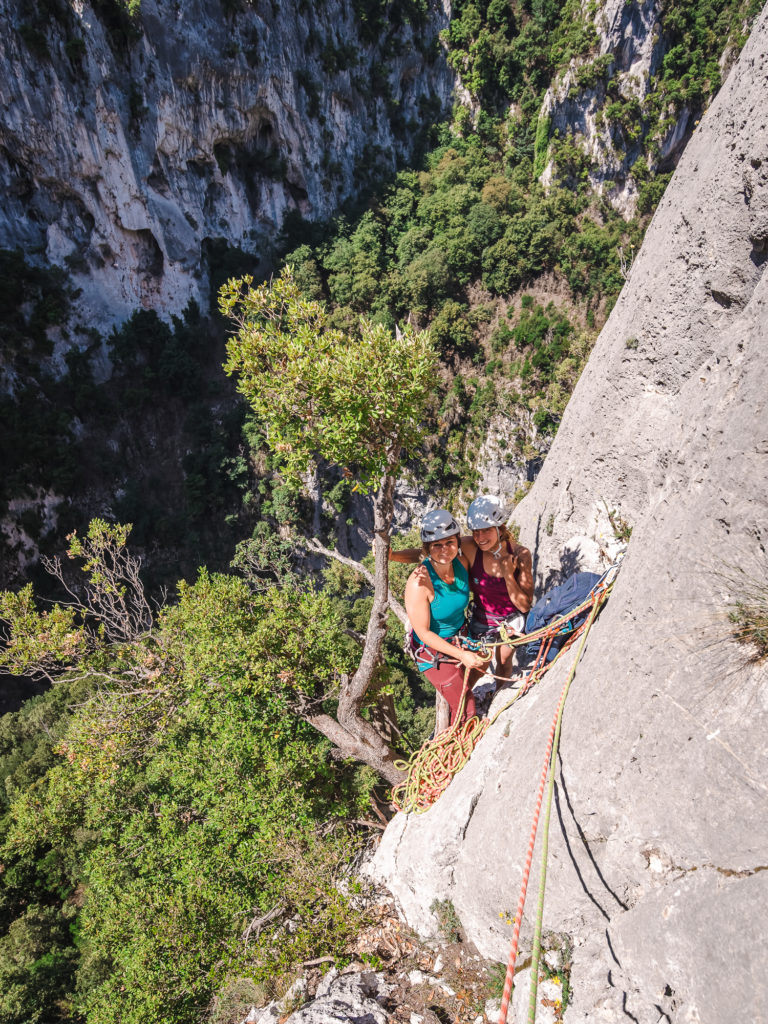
point(598, 596)
point(527, 870)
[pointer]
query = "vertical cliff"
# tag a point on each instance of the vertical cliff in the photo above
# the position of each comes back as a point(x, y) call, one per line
point(657, 872)
point(133, 148)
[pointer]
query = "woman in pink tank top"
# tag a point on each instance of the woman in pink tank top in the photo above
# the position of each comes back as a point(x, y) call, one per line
point(501, 575)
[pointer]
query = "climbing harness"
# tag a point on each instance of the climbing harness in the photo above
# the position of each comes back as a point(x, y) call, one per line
point(431, 769)
point(422, 654)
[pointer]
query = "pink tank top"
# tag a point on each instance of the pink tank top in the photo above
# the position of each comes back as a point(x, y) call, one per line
point(492, 600)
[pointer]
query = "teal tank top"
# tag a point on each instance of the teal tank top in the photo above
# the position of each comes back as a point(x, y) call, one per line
point(446, 611)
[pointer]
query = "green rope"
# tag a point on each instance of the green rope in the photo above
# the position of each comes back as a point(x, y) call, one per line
point(536, 951)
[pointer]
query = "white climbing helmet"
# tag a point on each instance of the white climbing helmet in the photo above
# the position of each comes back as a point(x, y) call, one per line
point(438, 525)
point(485, 511)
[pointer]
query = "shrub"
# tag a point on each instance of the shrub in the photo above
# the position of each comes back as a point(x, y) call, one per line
point(182, 803)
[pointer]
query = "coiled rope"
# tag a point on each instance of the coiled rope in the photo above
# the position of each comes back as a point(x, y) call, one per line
point(430, 769)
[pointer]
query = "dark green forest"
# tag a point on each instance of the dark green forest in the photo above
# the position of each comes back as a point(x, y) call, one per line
point(174, 836)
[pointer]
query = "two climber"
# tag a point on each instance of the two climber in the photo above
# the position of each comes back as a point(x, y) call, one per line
point(491, 567)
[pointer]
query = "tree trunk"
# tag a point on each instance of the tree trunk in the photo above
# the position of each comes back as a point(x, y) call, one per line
point(352, 734)
point(384, 717)
point(353, 694)
point(442, 713)
point(312, 484)
point(354, 742)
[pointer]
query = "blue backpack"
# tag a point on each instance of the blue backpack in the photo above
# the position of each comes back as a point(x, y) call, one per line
point(555, 603)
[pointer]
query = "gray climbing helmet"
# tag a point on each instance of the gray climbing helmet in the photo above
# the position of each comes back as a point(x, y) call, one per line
point(438, 525)
point(485, 511)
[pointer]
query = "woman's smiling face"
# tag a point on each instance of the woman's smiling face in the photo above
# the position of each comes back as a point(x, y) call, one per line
point(444, 550)
point(486, 538)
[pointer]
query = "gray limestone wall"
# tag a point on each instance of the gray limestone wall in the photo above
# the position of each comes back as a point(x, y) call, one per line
point(658, 868)
point(129, 149)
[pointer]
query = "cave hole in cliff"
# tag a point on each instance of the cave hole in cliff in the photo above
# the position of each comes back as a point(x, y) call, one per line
point(200, 167)
point(222, 260)
point(722, 298)
point(249, 162)
point(265, 135)
point(21, 184)
point(121, 29)
point(296, 192)
point(147, 254)
point(157, 179)
point(759, 253)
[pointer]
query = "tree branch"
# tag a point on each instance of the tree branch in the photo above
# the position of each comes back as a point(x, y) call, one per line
point(394, 604)
point(258, 922)
point(359, 741)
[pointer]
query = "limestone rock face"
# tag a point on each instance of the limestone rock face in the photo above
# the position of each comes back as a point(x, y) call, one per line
point(346, 999)
point(657, 865)
point(133, 152)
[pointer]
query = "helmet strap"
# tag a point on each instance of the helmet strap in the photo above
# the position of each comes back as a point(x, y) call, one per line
point(497, 550)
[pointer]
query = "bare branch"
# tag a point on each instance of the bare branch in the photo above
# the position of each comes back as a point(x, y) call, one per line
point(114, 596)
point(258, 922)
point(356, 636)
point(625, 261)
point(394, 604)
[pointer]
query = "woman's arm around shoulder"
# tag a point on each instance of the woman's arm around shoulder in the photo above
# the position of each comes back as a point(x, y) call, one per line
point(469, 548)
point(406, 555)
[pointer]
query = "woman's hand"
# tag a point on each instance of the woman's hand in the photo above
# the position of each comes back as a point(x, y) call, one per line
point(421, 575)
point(471, 659)
point(509, 562)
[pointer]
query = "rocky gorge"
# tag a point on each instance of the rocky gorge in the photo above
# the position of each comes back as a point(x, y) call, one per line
point(147, 150)
point(132, 151)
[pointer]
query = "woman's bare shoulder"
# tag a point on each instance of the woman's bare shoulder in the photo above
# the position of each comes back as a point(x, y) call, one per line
point(420, 578)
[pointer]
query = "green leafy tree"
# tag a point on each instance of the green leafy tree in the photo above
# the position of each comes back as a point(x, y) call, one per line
point(156, 835)
point(357, 399)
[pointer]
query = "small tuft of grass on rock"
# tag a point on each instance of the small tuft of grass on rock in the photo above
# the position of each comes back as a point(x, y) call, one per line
point(448, 922)
point(748, 616)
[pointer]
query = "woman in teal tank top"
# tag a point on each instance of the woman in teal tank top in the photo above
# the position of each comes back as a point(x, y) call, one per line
point(436, 598)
